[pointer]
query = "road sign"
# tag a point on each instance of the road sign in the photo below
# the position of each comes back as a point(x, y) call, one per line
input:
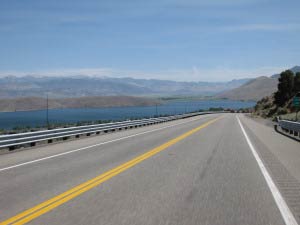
point(296, 103)
point(296, 100)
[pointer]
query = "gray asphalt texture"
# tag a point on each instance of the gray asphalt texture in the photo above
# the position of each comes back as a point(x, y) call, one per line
point(210, 177)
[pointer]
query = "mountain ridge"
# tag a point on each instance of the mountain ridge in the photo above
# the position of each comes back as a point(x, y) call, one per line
point(255, 89)
point(294, 69)
point(79, 86)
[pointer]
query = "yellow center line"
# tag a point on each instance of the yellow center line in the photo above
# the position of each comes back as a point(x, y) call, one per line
point(44, 207)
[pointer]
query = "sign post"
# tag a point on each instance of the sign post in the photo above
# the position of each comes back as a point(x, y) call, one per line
point(296, 103)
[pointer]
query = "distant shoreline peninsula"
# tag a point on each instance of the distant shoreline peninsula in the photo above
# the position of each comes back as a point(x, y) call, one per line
point(37, 103)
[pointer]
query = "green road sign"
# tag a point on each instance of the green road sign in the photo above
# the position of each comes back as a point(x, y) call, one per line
point(296, 100)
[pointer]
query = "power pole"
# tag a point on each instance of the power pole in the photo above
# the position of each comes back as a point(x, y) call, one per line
point(47, 112)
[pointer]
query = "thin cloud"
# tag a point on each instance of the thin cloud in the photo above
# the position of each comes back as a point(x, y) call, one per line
point(262, 27)
point(193, 3)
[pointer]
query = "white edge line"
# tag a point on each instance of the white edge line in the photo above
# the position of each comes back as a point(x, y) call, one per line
point(91, 146)
point(286, 213)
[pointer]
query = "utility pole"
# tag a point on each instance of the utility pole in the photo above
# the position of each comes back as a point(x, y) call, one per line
point(47, 112)
point(156, 110)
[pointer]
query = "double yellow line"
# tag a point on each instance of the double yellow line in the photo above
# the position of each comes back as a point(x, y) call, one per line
point(44, 207)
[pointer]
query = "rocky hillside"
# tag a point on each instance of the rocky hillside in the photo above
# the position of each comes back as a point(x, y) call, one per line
point(280, 102)
point(255, 89)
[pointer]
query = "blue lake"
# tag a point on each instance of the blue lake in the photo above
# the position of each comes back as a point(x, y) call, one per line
point(10, 120)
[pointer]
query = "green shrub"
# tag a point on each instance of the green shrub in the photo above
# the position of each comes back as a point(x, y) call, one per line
point(282, 111)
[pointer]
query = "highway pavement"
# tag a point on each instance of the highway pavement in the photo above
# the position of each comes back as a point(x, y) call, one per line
point(209, 169)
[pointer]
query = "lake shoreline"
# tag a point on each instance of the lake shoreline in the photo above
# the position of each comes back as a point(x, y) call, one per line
point(10, 120)
point(25, 104)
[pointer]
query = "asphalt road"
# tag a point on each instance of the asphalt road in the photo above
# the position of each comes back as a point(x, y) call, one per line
point(199, 170)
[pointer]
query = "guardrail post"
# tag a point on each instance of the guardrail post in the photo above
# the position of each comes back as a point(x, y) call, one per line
point(290, 127)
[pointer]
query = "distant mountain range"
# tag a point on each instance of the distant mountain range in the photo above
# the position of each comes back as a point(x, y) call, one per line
point(84, 86)
point(255, 89)
point(80, 86)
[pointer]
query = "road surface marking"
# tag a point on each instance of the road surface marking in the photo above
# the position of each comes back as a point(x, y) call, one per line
point(91, 146)
point(286, 213)
point(40, 209)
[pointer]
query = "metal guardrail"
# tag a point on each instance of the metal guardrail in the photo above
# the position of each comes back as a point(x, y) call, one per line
point(290, 127)
point(68, 129)
point(13, 141)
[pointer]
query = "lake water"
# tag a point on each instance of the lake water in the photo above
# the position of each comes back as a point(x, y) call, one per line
point(9, 120)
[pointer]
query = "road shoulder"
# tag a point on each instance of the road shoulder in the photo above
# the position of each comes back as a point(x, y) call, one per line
point(281, 156)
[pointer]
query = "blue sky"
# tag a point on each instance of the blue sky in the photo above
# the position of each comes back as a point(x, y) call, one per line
point(193, 40)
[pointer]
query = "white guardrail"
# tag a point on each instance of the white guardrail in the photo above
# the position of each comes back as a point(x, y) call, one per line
point(290, 127)
point(13, 141)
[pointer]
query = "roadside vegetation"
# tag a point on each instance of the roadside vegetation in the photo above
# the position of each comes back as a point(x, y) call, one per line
point(280, 102)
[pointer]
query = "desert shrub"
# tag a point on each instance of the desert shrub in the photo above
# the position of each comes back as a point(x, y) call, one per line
point(282, 111)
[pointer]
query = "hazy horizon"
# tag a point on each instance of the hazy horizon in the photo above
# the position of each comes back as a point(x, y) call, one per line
point(106, 73)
